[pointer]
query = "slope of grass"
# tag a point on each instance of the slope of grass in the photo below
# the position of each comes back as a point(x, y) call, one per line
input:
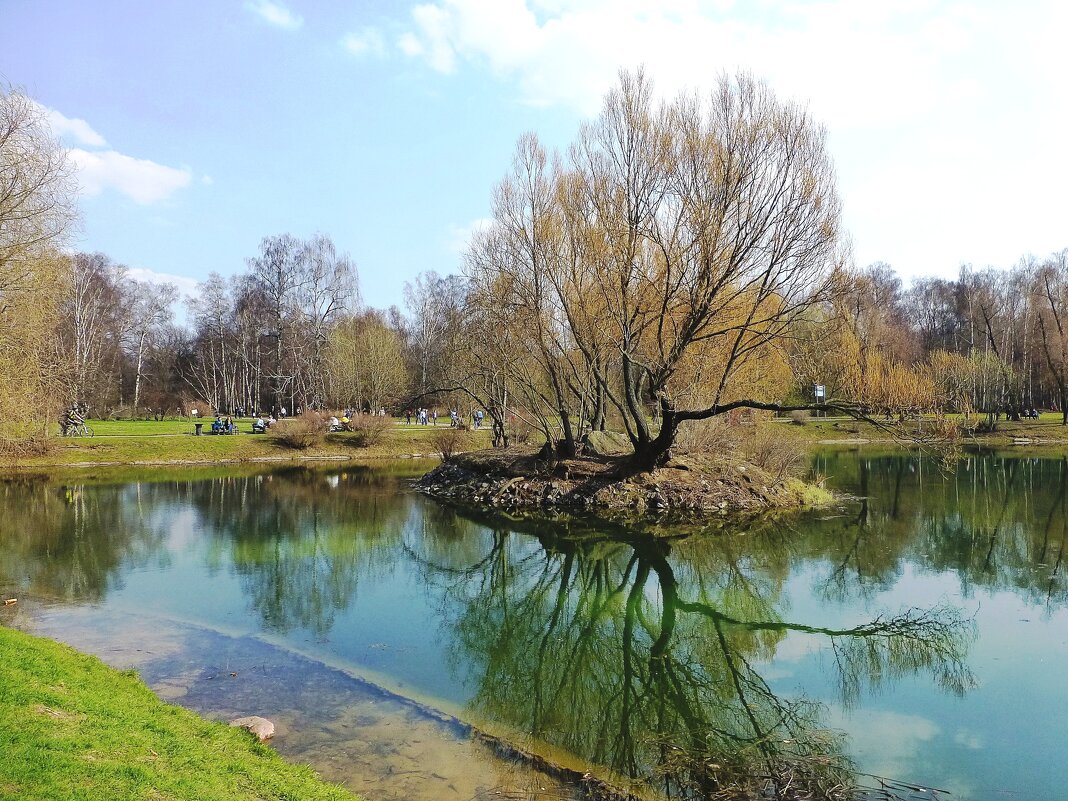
point(73, 729)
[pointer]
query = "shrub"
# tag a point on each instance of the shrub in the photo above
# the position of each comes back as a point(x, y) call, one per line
point(714, 435)
point(778, 455)
point(36, 443)
point(449, 441)
point(301, 433)
point(521, 432)
point(368, 429)
point(800, 417)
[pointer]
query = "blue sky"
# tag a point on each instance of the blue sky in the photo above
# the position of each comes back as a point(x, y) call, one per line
point(199, 128)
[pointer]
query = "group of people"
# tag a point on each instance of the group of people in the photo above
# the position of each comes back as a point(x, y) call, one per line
point(72, 418)
point(426, 417)
point(423, 417)
point(223, 426)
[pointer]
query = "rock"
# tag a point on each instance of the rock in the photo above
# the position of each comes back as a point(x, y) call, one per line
point(262, 728)
point(607, 443)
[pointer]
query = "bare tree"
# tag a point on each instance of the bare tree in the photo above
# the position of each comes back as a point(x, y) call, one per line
point(430, 299)
point(328, 289)
point(278, 276)
point(150, 311)
point(37, 192)
point(92, 326)
point(1051, 300)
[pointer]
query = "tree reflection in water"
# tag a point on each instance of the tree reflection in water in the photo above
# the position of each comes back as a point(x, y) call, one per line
point(301, 540)
point(640, 654)
point(595, 645)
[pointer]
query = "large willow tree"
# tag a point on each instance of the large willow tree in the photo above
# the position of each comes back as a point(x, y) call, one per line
point(660, 267)
point(36, 211)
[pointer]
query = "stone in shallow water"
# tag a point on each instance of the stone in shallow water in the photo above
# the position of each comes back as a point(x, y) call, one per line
point(261, 727)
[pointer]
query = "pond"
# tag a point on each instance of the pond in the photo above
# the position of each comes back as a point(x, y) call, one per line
point(414, 650)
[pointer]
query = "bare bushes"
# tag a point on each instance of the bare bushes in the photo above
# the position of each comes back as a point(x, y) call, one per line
point(800, 417)
point(368, 429)
point(37, 443)
point(778, 455)
point(762, 445)
point(301, 433)
point(448, 442)
point(715, 435)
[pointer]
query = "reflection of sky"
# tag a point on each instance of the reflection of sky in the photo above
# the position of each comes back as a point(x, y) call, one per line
point(1004, 736)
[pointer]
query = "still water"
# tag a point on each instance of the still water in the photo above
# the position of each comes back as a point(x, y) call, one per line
point(918, 633)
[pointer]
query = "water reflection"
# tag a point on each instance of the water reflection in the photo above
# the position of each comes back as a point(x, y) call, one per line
point(997, 523)
point(659, 659)
point(640, 658)
point(73, 543)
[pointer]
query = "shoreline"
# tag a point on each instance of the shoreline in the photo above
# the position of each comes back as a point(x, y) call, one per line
point(505, 743)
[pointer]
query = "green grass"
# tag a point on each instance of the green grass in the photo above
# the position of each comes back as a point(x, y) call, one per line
point(172, 442)
point(73, 729)
point(1047, 431)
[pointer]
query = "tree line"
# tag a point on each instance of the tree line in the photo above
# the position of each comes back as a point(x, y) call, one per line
point(680, 262)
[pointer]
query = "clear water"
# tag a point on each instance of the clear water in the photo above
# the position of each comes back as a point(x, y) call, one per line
point(921, 632)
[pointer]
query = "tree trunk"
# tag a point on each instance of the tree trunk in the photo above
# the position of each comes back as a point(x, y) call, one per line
point(655, 452)
point(137, 376)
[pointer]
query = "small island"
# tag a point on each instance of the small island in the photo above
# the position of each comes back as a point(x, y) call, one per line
point(690, 485)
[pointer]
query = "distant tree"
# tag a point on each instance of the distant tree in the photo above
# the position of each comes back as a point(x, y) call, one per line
point(429, 299)
point(328, 289)
point(278, 277)
point(1050, 290)
point(92, 327)
point(150, 310)
point(365, 362)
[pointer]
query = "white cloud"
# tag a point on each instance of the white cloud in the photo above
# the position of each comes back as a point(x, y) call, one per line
point(185, 285)
point(77, 129)
point(886, 743)
point(943, 115)
point(142, 180)
point(207, 180)
point(459, 237)
point(275, 14)
point(367, 41)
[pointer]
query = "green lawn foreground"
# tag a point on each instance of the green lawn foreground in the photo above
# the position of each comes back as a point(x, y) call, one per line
point(74, 729)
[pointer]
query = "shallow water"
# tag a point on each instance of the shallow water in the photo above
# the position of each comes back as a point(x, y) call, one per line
point(921, 632)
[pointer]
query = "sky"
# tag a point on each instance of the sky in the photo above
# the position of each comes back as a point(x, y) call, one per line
point(198, 128)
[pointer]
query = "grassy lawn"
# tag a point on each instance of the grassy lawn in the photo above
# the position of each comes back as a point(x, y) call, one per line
point(141, 441)
point(1046, 431)
point(73, 729)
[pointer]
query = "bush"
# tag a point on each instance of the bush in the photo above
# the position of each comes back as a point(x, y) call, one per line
point(715, 435)
point(37, 443)
point(520, 432)
point(449, 441)
point(301, 433)
point(800, 417)
point(368, 429)
point(779, 456)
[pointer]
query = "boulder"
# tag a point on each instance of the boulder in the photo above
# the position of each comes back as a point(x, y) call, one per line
point(608, 443)
point(262, 728)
